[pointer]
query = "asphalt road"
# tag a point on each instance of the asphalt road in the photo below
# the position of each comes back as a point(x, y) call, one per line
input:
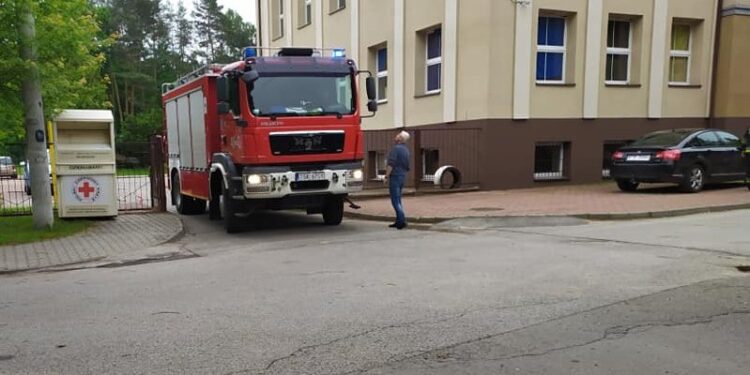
point(291, 296)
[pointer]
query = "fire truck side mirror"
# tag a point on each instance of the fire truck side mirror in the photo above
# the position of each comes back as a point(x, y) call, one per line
point(222, 108)
point(370, 86)
point(222, 89)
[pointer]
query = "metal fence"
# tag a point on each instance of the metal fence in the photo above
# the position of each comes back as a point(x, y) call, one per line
point(133, 180)
point(15, 193)
point(134, 183)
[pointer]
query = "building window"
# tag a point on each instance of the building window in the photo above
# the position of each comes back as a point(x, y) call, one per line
point(280, 20)
point(549, 161)
point(430, 163)
point(306, 12)
point(679, 55)
point(336, 5)
point(381, 67)
point(618, 52)
point(434, 61)
point(550, 56)
point(378, 161)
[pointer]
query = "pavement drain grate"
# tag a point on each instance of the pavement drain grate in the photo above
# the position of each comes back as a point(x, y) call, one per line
point(743, 268)
point(486, 209)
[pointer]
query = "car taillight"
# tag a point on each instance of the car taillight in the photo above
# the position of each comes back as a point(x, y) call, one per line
point(618, 155)
point(669, 155)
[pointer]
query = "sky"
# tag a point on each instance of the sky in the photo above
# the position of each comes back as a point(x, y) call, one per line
point(245, 8)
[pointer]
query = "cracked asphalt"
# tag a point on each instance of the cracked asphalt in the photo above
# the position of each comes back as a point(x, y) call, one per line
point(291, 296)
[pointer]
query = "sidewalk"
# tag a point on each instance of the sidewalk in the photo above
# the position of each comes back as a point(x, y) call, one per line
point(106, 239)
point(602, 201)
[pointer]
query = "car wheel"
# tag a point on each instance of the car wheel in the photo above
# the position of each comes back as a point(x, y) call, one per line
point(627, 185)
point(694, 179)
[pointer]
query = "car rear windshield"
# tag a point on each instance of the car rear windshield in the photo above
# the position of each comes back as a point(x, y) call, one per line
point(5, 160)
point(663, 139)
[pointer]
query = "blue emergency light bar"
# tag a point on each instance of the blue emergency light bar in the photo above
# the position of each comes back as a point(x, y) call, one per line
point(249, 52)
point(336, 53)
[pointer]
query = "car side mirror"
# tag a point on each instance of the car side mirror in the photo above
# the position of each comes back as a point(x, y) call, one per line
point(370, 86)
point(222, 108)
point(372, 105)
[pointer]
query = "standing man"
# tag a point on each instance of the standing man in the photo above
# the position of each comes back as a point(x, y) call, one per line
point(395, 175)
point(746, 154)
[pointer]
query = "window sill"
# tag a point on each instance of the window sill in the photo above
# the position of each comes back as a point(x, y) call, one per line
point(683, 86)
point(384, 101)
point(555, 84)
point(336, 10)
point(624, 85)
point(426, 94)
point(277, 38)
point(551, 179)
point(300, 27)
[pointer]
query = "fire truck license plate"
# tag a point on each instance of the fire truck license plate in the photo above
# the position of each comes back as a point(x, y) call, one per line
point(311, 176)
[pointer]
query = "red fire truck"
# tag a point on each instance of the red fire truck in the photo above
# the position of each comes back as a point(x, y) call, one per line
point(267, 133)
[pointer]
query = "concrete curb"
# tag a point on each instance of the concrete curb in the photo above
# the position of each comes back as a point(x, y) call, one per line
point(593, 217)
point(412, 193)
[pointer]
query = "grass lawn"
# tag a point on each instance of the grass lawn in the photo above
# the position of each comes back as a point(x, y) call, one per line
point(132, 172)
point(20, 229)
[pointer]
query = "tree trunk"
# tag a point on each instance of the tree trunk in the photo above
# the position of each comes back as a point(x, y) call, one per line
point(36, 145)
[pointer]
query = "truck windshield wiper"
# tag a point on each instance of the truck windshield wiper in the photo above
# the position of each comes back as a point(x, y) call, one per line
point(338, 114)
point(274, 115)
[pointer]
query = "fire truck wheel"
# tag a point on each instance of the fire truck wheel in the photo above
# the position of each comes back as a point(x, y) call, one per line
point(232, 223)
point(186, 205)
point(333, 211)
point(214, 205)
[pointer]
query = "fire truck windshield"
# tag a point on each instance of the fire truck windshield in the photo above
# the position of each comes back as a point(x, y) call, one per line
point(302, 96)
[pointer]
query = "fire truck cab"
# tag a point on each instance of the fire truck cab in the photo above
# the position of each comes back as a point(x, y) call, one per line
point(267, 133)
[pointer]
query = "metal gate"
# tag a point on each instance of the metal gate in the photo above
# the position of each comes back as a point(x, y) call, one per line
point(140, 176)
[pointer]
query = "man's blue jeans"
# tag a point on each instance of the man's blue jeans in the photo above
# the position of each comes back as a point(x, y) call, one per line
point(395, 185)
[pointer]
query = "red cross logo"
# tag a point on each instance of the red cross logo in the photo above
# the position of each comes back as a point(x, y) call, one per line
point(86, 189)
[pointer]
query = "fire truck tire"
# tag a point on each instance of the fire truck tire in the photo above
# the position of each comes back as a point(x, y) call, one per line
point(186, 205)
point(214, 206)
point(232, 223)
point(333, 210)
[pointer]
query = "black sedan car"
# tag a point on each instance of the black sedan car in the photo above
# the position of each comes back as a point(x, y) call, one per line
point(688, 157)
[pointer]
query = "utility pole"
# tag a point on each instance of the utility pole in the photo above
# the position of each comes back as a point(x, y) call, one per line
point(36, 145)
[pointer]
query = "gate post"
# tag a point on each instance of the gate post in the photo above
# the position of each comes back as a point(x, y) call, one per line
point(158, 187)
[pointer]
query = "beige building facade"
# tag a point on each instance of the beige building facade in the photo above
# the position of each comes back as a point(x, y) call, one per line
point(527, 92)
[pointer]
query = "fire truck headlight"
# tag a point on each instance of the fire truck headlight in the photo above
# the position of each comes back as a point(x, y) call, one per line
point(355, 174)
point(255, 179)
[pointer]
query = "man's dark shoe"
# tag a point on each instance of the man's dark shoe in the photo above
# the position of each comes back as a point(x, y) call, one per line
point(400, 226)
point(394, 225)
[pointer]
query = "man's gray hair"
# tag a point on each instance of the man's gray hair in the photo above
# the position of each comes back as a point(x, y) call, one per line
point(404, 135)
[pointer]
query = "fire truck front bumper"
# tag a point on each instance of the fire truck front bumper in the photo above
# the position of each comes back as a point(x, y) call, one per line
point(269, 182)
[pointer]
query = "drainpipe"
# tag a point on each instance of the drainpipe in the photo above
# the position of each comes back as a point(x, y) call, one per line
point(258, 33)
point(715, 65)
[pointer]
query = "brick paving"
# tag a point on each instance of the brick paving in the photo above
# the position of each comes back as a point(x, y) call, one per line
point(596, 201)
point(106, 238)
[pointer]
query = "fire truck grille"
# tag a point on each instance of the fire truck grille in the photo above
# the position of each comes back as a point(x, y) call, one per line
point(307, 143)
point(309, 185)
